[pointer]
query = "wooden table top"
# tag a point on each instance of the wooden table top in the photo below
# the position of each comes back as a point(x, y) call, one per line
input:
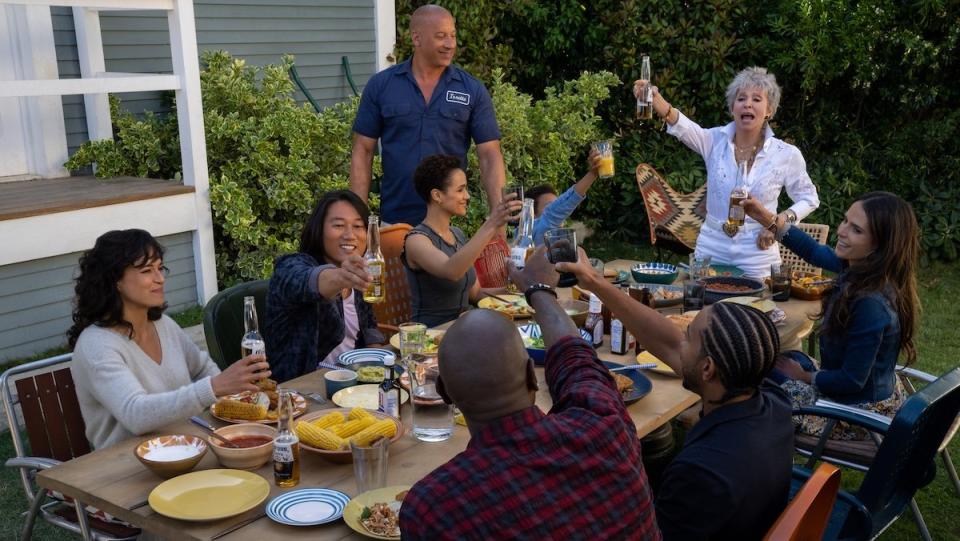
point(113, 479)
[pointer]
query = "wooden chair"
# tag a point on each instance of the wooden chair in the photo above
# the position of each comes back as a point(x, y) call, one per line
point(807, 514)
point(223, 320)
point(907, 446)
point(820, 233)
point(491, 266)
point(48, 405)
point(396, 306)
point(675, 218)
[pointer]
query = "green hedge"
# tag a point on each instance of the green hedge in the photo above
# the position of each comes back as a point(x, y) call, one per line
point(870, 94)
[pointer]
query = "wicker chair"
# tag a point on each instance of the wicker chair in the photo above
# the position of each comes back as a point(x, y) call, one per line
point(820, 233)
point(675, 218)
point(395, 308)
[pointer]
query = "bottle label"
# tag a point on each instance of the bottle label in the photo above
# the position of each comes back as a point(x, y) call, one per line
point(518, 256)
point(390, 403)
point(598, 333)
point(283, 452)
point(375, 269)
point(252, 347)
point(617, 342)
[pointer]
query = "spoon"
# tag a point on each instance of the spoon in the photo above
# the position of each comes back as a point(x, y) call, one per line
point(206, 426)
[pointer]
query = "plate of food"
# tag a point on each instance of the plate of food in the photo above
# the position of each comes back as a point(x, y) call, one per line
point(764, 305)
point(430, 346)
point(255, 406)
point(809, 287)
point(329, 432)
point(724, 270)
point(376, 513)
point(631, 383)
point(663, 294)
point(307, 507)
point(683, 320)
point(516, 306)
point(533, 340)
point(647, 358)
point(363, 396)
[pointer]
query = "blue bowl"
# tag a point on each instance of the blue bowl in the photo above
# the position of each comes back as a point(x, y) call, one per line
point(539, 355)
point(654, 273)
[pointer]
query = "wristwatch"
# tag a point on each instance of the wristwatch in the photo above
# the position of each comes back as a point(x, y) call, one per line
point(539, 286)
point(791, 216)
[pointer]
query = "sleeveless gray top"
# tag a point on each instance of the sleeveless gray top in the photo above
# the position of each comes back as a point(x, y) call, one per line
point(436, 300)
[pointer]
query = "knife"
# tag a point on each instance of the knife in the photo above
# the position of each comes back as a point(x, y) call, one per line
point(635, 367)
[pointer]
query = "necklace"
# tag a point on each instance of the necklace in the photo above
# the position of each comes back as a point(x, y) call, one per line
point(745, 153)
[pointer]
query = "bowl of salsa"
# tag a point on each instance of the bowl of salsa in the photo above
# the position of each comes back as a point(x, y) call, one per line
point(253, 445)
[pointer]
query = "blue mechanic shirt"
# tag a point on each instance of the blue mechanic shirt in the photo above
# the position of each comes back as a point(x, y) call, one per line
point(393, 110)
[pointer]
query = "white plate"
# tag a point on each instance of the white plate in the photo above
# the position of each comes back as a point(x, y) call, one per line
point(308, 507)
point(364, 355)
point(764, 305)
point(363, 396)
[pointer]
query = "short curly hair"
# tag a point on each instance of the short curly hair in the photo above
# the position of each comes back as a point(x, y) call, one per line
point(433, 173)
point(755, 77)
point(97, 300)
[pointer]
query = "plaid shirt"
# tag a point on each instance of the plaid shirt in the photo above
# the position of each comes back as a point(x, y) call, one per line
point(573, 474)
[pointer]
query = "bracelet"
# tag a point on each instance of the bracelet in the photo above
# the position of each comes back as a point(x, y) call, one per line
point(772, 227)
point(666, 117)
point(533, 288)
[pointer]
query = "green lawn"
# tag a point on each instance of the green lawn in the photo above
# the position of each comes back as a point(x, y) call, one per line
point(939, 348)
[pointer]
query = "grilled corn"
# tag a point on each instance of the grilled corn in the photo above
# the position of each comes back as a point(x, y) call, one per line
point(320, 438)
point(382, 428)
point(235, 409)
point(331, 419)
point(350, 428)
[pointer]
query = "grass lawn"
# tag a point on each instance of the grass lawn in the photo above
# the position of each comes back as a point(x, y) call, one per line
point(939, 349)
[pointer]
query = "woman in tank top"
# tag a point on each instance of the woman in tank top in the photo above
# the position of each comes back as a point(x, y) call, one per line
point(437, 256)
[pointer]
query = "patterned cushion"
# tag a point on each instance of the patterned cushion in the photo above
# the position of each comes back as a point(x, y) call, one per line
point(673, 216)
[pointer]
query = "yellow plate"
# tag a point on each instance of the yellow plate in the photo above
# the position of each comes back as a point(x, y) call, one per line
point(431, 347)
point(363, 396)
point(209, 494)
point(299, 408)
point(764, 305)
point(351, 513)
point(518, 307)
point(662, 368)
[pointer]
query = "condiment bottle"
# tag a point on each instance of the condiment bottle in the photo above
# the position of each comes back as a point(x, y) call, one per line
point(389, 392)
point(286, 446)
point(594, 324)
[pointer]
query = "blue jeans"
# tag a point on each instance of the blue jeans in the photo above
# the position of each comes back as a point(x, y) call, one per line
point(802, 358)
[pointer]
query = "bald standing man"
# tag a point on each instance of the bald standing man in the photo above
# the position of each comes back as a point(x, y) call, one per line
point(575, 473)
point(418, 108)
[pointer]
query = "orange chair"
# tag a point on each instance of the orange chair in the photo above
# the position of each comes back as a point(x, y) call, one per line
point(395, 308)
point(491, 266)
point(807, 514)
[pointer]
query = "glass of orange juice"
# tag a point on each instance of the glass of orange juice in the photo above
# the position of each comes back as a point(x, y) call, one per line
point(605, 150)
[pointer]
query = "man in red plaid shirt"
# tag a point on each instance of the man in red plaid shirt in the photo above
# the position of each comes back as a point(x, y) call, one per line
point(575, 473)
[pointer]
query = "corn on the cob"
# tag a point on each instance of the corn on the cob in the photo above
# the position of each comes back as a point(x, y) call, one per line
point(320, 438)
point(235, 409)
point(328, 420)
point(350, 428)
point(382, 428)
point(360, 413)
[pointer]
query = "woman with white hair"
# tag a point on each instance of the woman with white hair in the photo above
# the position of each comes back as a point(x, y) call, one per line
point(753, 97)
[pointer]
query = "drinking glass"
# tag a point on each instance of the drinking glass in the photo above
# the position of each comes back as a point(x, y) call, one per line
point(515, 188)
point(432, 418)
point(562, 246)
point(699, 266)
point(693, 291)
point(780, 280)
point(370, 465)
point(605, 150)
point(413, 336)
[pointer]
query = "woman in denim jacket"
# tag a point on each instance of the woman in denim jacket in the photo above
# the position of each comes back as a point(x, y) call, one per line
point(870, 316)
point(315, 306)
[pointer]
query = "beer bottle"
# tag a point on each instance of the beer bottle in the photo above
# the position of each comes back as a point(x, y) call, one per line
point(735, 214)
point(522, 240)
point(645, 101)
point(286, 446)
point(389, 392)
point(252, 342)
point(593, 327)
point(375, 265)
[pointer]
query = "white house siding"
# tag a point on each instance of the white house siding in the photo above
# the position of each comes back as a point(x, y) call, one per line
point(317, 32)
point(36, 296)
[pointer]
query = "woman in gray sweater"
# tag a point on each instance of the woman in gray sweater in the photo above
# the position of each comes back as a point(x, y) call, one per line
point(133, 367)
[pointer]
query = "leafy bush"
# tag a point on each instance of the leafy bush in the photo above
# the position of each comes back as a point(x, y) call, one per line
point(268, 158)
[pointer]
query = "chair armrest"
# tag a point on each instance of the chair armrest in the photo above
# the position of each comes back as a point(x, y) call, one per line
point(856, 506)
point(913, 373)
point(32, 462)
point(865, 419)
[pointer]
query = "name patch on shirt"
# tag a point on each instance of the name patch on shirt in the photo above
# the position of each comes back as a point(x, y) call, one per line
point(458, 97)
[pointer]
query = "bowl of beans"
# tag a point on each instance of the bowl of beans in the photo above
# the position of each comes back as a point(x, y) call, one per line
point(721, 287)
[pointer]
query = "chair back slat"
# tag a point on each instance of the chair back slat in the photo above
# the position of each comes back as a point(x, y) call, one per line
point(52, 415)
point(820, 233)
point(396, 307)
point(807, 514)
point(673, 216)
point(30, 407)
point(491, 266)
point(70, 409)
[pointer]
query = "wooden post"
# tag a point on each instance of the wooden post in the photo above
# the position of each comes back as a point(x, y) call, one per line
point(86, 22)
point(193, 147)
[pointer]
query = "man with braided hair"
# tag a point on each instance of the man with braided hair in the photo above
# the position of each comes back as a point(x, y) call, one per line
point(731, 480)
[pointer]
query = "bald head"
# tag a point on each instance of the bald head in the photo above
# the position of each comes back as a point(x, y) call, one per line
point(484, 366)
point(424, 14)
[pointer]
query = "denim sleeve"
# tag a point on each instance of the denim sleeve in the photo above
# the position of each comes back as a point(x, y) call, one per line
point(861, 345)
point(369, 122)
point(556, 213)
point(483, 120)
point(810, 250)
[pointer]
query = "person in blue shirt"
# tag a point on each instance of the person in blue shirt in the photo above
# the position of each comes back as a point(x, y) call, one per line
point(869, 318)
point(550, 211)
point(423, 107)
